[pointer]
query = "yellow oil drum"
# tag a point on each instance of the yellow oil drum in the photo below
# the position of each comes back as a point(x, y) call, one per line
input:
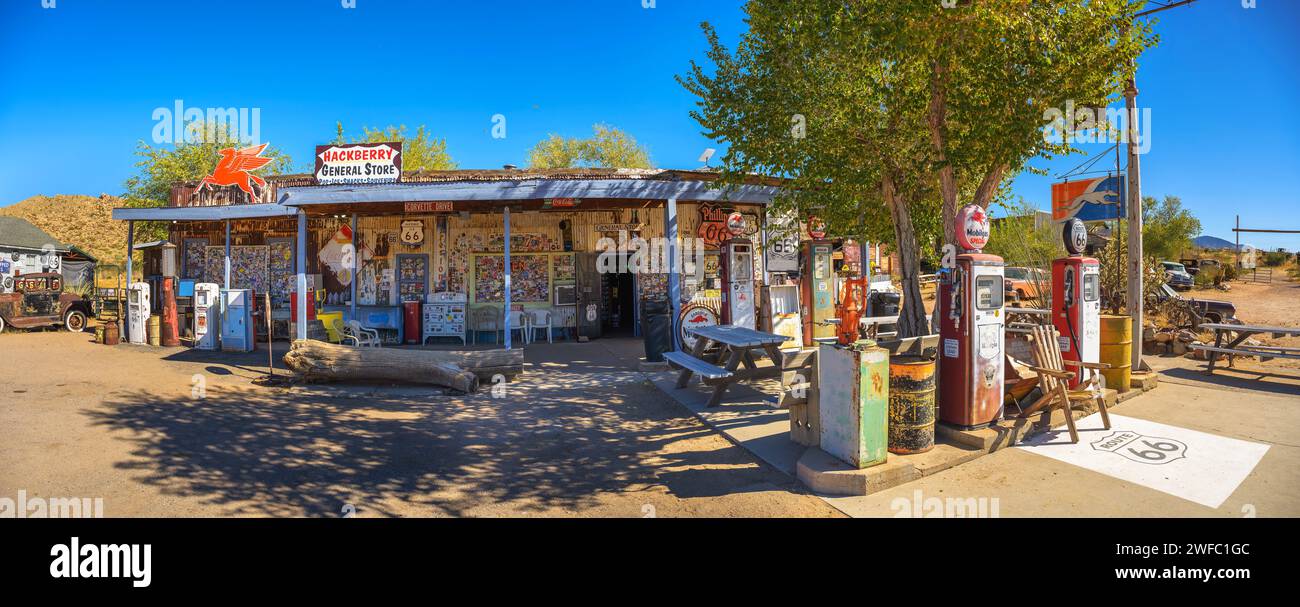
point(155, 330)
point(99, 332)
point(1117, 351)
point(911, 404)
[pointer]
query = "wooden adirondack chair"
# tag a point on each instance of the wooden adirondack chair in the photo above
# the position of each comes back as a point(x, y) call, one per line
point(1054, 380)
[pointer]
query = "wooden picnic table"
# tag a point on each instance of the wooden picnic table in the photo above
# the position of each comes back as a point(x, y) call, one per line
point(1243, 332)
point(733, 346)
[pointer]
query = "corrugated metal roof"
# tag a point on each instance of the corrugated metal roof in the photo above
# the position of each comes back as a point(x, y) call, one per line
point(19, 233)
point(216, 213)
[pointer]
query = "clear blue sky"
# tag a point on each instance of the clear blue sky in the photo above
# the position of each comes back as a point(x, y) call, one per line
point(79, 84)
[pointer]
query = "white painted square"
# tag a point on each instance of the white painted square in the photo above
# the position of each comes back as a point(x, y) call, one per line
point(1196, 466)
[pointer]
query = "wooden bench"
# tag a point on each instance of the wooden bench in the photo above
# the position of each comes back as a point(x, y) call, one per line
point(708, 372)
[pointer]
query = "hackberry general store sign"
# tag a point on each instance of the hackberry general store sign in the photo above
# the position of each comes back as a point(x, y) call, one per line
point(359, 163)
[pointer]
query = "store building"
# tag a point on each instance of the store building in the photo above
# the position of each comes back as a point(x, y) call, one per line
point(462, 236)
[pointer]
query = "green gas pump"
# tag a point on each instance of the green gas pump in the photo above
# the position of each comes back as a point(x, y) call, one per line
point(817, 291)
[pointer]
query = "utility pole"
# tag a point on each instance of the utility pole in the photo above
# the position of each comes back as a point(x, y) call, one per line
point(1135, 265)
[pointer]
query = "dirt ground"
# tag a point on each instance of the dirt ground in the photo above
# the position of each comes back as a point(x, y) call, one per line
point(175, 432)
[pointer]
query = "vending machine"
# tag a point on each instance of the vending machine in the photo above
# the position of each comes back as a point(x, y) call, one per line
point(970, 299)
point(137, 311)
point(1076, 301)
point(738, 282)
point(817, 290)
point(207, 315)
point(237, 320)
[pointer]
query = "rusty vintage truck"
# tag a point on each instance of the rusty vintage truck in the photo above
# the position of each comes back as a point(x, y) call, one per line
point(38, 300)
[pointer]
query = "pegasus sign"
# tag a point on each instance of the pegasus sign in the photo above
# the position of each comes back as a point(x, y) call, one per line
point(1095, 199)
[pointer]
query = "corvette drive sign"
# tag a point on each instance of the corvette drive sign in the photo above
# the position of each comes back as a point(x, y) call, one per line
point(359, 163)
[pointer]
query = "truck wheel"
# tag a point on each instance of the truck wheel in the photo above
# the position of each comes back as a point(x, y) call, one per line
point(2, 325)
point(75, 321)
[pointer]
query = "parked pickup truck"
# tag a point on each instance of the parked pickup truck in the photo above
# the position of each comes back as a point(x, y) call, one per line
point(38, 300)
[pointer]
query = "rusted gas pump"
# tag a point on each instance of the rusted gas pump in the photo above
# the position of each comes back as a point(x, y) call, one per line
point(970, 300)
point(1076, 300)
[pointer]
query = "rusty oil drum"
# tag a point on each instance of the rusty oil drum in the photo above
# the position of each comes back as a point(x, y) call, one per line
point(911, 404)
point(111, 336)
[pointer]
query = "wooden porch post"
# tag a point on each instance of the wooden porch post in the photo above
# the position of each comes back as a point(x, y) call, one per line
point(227, 279)
point(130, 248)
point(674, 276)
point(355, 254)
point(506, 312)
point(302, 274)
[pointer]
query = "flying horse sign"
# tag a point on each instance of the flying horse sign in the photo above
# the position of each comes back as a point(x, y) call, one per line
point(359, 163)
point(234, 170)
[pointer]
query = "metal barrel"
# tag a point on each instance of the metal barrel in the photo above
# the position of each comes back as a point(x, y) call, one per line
point(155, 330)
point(111, 337)
point(911, 404)
point(1117, 351)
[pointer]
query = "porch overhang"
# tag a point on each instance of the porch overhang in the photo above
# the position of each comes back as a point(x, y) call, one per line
point(211, 213)
point(533, 189)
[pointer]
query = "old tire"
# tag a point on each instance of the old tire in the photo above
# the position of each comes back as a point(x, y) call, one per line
point(74, 321)
point(2, 324)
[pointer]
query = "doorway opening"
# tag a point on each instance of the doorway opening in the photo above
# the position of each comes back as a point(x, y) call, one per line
point(618, 301)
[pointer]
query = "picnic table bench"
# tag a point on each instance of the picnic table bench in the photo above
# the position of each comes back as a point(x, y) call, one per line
point(734, 347)
point(1235, 348)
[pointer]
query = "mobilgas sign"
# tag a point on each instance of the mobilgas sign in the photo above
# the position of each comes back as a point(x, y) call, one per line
point(359, 163)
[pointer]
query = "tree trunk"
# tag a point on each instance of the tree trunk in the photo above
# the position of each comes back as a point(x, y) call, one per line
point(319, 361)
point(911, 318)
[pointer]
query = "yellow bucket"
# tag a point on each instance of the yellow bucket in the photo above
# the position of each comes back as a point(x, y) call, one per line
point(155, 330)
point(1117, 351)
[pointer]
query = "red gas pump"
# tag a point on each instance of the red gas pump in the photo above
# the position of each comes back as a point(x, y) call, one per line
point(1076, 300)
point(970, 299)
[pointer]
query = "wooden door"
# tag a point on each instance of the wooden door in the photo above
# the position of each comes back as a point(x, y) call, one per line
point(589, 295)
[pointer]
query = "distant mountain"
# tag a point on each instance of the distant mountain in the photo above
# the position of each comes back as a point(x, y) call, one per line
point(1212, 242)
point(84, 221)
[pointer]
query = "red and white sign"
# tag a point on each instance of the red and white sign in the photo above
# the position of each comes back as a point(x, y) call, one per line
point(816, 228)
point(694, 317)
point(359, 163)
point(736, 224)
point(972, 227)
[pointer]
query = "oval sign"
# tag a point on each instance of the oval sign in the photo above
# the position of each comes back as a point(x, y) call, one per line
point(694, 317)
point(1075, 235)
point(972, 227)
point(816, 228)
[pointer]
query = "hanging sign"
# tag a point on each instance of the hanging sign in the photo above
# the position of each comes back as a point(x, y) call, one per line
point(561, 203)
point(1095, 199)
point(781, 253)
point(736, 224)
point(1075, 235)
point(618, 227)
point(972, 227)
point(359, 163)
point(439, 206)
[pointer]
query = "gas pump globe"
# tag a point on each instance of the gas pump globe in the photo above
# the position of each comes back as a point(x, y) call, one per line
point(971, 319)
point(1076, 301)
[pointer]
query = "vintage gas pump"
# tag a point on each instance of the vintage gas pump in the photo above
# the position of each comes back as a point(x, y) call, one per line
point(137, 310)
point(817, 290)
point(971, 327)
point(1076, 300)
point(237, 320)
point(207, 317)
point(737, 276)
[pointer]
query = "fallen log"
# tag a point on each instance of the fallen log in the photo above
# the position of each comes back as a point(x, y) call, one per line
point(320, 361)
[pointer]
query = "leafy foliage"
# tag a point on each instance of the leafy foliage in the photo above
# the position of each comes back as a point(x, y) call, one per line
point(420, 152)
point(884, 113)
point(1167, 228)
point(608, 147)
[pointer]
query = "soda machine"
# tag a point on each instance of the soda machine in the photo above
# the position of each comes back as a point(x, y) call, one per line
point(1076, 301)
point(237, 320)
point(137, 312)
point(737, 270)
point(207, 315)
point(818, 291)
point(971, 319)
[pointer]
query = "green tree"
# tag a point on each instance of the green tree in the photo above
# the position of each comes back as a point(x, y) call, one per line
point(608, 147)
point(420, 152)
point(1167, 228)
point(158, 168)
point(885, 113)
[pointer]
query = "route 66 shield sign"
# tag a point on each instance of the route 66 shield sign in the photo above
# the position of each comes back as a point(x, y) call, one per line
point(412, 232)
point(1141, 448)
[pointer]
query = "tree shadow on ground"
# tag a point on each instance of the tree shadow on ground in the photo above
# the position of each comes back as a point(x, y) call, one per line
point(553, 441)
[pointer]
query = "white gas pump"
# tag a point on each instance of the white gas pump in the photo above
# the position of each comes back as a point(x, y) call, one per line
point(137, 310)
point(207, 315)
point(738, 283)
point(237, 320)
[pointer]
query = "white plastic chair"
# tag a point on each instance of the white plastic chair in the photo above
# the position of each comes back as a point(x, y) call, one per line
point(540, 318)
point(362, 336)
point(519, 322)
